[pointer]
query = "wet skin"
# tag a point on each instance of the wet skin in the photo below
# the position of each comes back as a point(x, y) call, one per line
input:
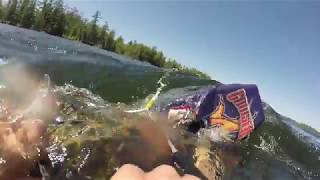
point(20, 147)
point(163, 172)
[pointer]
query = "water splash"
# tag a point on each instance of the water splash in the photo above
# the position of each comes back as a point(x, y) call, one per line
point(268, 146)
point(2, 161)
point(56, 50)
point(56, 154)
point(152, 101)
point(215, 134)
point(3, 61)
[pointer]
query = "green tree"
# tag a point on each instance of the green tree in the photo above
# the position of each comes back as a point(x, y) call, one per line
point(46, 13)
point(194, 72)
point(58, 19)
point(93, 36)
point(21, 10)
point(27, 19)
point(103, 35)
point(84, 31)
point(158, 60)
point(132, 50)
point(2, 12)
point(74, 25)
point(120, 47)
point(172, 63)
point(110, 42)
point(12, 16)
point(39, 21)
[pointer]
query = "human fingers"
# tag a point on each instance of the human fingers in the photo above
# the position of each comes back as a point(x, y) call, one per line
point(128, 172)
point(163, 172)
point(34, 129)
point(189, 177)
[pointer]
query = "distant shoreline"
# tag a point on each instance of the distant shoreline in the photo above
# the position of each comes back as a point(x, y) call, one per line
point(55, 19)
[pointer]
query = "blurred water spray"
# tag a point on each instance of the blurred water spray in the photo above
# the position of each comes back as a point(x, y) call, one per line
point(25, 94)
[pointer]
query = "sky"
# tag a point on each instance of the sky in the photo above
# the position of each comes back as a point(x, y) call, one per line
point(274, 44)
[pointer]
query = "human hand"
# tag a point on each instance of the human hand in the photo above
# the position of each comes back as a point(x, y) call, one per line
point(20, 147)
point(163, 172)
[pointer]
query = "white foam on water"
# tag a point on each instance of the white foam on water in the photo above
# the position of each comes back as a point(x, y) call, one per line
point(3, 62)
point(305, 135)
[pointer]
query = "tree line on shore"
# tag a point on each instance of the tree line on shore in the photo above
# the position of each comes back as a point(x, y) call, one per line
point(52, 17)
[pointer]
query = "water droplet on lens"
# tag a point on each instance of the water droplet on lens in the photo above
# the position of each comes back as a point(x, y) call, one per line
point(59, 119)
